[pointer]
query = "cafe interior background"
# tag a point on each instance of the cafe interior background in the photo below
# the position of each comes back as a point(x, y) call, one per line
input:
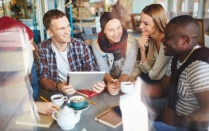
point(84, 20)
point(84, 14)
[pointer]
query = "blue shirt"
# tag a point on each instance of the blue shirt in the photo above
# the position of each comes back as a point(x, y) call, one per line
point(34, 81)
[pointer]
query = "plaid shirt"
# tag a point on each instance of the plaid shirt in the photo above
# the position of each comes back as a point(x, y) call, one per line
point(79, 56)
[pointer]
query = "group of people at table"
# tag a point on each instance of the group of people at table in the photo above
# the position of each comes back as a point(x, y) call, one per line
point(174, 68)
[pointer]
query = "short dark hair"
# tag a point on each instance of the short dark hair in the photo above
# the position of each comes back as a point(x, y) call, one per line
point(51, 14)
point(188, 24)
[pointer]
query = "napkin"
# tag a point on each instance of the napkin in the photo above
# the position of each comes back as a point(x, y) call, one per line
point(134, 112)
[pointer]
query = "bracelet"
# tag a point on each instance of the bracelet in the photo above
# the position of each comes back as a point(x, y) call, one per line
point(57, 86)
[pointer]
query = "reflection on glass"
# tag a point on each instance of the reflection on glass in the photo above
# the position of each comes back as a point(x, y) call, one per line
point(15, 89)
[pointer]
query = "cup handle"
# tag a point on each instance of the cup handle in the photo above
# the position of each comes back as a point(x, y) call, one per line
point(54, 115)
point(65, 98)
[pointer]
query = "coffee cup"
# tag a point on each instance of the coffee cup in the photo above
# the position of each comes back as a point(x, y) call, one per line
point(77, 101)
point(127, 87)
point(58, 99)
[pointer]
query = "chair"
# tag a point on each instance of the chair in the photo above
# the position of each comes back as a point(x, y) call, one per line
point(77, 31)
point(134, 29)
point(135, 18)
point(204, 28)
point(201, 33)
point(88, 33)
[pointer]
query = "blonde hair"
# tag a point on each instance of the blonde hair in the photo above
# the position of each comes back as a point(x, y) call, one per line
point(157, 12)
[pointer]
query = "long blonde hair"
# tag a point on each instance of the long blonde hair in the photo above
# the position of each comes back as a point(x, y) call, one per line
point(157, 12)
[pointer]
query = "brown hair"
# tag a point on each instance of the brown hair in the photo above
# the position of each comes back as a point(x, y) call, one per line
point(157, 12)
point(51, 14)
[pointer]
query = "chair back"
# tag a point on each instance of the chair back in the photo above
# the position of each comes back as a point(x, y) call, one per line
point(87, 31)
point(77, 27)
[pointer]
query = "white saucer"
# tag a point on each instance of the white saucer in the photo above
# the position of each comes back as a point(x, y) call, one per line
point(85, 106)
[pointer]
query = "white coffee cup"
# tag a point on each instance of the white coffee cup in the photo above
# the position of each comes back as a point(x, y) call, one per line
point(58, 99)
point(127, 87)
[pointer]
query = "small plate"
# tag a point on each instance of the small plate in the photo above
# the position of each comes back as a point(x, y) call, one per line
point(85, 106)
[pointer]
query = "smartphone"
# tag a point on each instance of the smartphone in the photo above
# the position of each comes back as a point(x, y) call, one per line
point(117, 110)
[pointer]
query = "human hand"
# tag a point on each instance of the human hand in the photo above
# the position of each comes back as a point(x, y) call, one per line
point(46, 107)
point(67, 89)
point(99, 87)
point(142, 42)
point(113, 87)
point(169, 116)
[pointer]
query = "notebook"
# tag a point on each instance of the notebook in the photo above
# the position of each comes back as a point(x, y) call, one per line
point(25, 119)
point(84, 80)
point(86, 93)
point(111, 117)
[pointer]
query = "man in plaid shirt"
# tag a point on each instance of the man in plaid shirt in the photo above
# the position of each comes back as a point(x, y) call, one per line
point(61, 54)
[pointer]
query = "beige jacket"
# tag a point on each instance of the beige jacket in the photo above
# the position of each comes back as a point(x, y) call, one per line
point(124, 65)
point(156, 64)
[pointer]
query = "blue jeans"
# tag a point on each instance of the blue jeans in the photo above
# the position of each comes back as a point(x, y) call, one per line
point(160, 126)
point(155, 107)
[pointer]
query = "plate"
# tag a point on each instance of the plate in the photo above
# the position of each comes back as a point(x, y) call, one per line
point(86, 105)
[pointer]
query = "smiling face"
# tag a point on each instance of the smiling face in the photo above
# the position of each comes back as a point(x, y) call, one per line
point(147, 25)
point(113, 30)
point(173, 41)
point(59, 30)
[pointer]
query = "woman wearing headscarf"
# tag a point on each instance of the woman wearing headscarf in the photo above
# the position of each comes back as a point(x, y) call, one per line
point(115, 51)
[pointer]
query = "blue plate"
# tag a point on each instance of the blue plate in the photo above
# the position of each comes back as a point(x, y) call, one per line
point(86, 105)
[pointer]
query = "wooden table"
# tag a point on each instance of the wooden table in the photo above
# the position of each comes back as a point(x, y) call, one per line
point(87, 121)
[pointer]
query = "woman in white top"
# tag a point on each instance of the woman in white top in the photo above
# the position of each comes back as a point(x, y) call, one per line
point(153, 62)
point(115, 51)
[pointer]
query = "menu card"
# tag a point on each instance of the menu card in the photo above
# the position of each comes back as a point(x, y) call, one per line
point(109, 118)
point(26, 119)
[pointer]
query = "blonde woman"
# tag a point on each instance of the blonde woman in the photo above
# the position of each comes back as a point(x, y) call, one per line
point(153, 63)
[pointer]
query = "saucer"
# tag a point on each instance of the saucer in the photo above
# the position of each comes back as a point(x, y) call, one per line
point(86, 105)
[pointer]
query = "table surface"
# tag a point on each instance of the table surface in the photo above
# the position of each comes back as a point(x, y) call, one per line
point(14, 101)
point(87, 120)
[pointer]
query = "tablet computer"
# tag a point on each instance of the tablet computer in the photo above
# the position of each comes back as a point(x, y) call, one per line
point(84, 80)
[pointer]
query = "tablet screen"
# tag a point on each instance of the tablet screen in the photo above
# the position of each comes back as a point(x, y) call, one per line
point(85, 80)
